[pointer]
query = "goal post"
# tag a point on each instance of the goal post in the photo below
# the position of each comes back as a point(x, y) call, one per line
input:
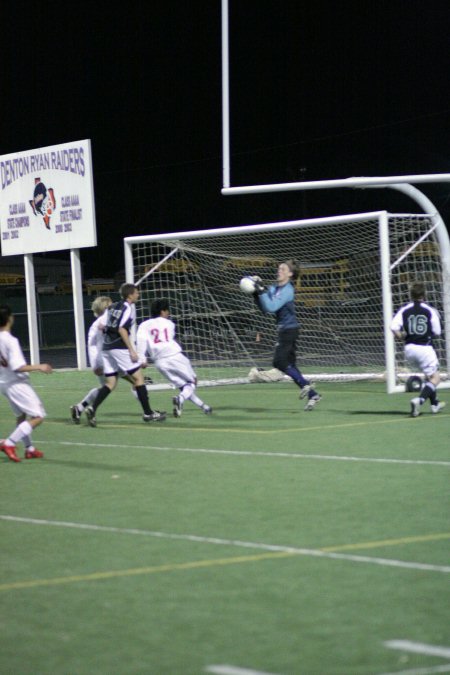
point(355, 271)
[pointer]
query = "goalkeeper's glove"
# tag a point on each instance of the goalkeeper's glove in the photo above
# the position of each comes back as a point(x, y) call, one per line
point(259, 286)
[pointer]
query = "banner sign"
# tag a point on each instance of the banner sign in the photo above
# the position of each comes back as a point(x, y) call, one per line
point(47, 199)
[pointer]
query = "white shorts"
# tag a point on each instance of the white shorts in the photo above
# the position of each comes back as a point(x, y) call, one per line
point(118, 362)
point(177, 369)
point(423, 358)
point(23, 399)
point(102, 379)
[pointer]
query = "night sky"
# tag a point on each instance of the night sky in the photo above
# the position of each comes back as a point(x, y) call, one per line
point(318, 90)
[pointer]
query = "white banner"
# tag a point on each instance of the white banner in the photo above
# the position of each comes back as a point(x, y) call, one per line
point(47, 199)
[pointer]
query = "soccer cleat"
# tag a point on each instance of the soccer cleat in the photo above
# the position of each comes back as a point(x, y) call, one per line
point(305, 390)
point(436, 408)
point(10, 452)
point(90, 414)
point(415, 407)
point(76, 415)
point(207, 409)
point(177, 406)
point(155, 416)
point(33, 454)
point(313, 401)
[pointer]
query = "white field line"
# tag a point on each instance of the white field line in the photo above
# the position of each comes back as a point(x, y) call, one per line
point(248, 453)
point(233, 670)
point(418, 648)
point(317, 553)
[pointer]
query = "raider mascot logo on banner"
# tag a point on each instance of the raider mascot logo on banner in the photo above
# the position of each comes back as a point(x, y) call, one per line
point(43, 202)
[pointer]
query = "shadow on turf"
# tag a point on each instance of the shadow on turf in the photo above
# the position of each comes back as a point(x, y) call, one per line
point(117, 468)
point(403, 413)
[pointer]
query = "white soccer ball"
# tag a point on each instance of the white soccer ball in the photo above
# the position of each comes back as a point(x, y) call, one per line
point(247, 285)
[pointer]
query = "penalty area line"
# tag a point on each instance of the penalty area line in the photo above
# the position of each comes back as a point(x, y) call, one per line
point(317, 553)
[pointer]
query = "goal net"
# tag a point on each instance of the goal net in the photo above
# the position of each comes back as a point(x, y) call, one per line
point(344, 300)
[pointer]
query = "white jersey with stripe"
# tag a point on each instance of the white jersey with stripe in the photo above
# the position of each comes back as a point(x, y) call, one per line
point(156, 337)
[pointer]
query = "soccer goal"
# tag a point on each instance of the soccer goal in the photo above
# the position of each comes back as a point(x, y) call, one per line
point(355, 271)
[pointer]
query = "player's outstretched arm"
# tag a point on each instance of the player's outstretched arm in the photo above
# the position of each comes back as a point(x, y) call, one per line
point(33, 367)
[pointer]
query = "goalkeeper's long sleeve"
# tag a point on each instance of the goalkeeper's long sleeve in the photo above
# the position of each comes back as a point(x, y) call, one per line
point(276, 297)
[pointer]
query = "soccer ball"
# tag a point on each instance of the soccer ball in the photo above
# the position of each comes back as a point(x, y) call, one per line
point(247, 285)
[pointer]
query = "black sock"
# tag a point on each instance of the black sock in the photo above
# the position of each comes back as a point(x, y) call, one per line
point(102, 394)
point(426, 392)
point(142, 394)
point(433, 394)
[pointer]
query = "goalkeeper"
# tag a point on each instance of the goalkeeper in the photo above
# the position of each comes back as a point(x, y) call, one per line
point(278, 299)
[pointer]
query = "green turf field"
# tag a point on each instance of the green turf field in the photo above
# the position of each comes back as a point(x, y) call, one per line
point(261, 539)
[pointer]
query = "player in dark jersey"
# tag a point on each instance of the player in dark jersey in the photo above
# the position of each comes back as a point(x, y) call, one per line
point(417, 323)
point(120, 356)
point(278, 299)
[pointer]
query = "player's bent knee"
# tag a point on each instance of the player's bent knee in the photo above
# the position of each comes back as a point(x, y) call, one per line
point(35, 421)
point(280, 364)
point(137, 379)
point(111, 382)
point(435, 378)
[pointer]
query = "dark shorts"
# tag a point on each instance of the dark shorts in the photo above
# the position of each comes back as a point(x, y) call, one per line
point(284, 355)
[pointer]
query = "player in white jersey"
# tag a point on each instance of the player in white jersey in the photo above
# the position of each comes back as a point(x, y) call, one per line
point(417, 323)
point(94, 347)
point(156, 338)
point(15, 385)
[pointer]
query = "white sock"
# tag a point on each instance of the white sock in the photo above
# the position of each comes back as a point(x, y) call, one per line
point(88, 399)
point(198, 401)
point(188, 392)
point(21, 431)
